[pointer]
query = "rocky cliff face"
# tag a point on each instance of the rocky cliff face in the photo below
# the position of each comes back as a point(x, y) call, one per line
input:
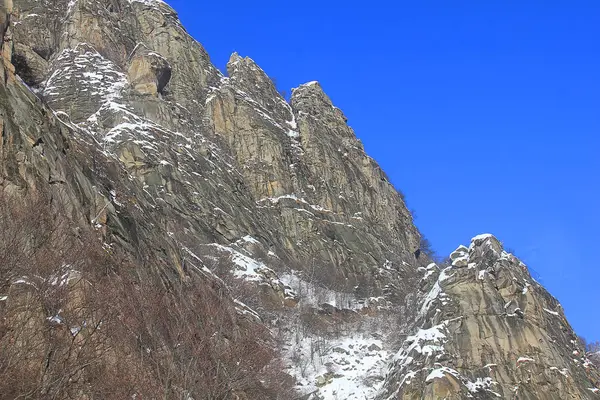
point(259, 226)
point(128, 75)
point(487, 329)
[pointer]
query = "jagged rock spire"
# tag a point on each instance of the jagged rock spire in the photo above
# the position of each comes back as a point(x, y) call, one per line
point(486, 329)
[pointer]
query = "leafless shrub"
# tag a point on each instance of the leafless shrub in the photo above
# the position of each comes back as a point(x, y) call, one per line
point(77, 321)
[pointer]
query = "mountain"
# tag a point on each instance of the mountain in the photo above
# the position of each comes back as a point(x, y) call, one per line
point(172, 232)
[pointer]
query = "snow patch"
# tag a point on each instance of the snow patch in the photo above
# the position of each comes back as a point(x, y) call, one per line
point(480, 384)
point(149, 3)
point(525, 360)
point(349, 368)
point(429, 270)
point(461, 261)
point(427, 342)
point(440, 373)
point(482, 237)
point(250, 239)
point(247, 267)
point(301, 200)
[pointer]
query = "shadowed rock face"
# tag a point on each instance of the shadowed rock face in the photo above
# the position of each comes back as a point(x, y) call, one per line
point(119, 114)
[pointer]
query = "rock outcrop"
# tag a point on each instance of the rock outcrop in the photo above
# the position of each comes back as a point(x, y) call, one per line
point(239, 236)
point(487, 329)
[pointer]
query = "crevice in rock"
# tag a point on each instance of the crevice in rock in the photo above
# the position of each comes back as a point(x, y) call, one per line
point(163, 78)
point(23, 70)
point(417, 253)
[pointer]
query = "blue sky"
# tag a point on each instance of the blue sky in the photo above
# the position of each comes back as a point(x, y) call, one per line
point(486, 114)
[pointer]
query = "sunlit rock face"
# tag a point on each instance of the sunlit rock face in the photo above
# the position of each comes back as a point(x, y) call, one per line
point(487, 329)
point(128, 74)
point(215, 182)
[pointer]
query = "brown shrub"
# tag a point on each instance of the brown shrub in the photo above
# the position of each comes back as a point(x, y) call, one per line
point(80, 322)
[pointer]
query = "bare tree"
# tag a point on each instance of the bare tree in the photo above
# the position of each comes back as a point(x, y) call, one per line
point(77, 320)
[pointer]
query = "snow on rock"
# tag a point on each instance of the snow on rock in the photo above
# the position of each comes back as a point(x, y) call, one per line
point(481, 238)
point(551, 312)
point(289, 127)
point(440, 373)
point(64, 276)
point(426, 341)
point(429, 270)
point(98, 80)
point(525, 360)
point(490, 242)
point(432, 334)
point(203, 270)
point(460, 257)
point(350, 364)
point(350, 367)
point(151, 3)
point(435, 293)
point(461, 261)
point(249, 239)
point(148, 2)
point(251, 270)
point(276, 200)
point(24, 281)
point(480, 384)
point(459, 252)
point(247, 268)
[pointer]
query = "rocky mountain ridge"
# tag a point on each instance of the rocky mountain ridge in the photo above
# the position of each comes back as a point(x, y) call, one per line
point(487, 329)
point(260, 223)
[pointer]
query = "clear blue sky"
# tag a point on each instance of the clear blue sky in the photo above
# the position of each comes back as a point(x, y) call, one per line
point(486, 114)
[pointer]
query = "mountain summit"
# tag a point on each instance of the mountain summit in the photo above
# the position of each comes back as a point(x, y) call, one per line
point(171, 232)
